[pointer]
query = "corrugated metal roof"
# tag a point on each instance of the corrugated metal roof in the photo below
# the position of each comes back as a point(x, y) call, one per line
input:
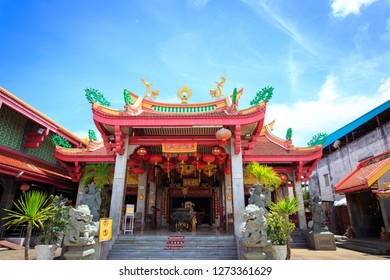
point(356, 123)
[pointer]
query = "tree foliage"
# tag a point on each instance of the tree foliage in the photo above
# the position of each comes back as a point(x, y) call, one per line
point(266, 175)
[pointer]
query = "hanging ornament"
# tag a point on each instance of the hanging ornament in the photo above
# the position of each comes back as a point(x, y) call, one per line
point(155, 159)
point(139, 170)
point(224, 135)
point(142, 152)
point(24, 187)
point(216, 151)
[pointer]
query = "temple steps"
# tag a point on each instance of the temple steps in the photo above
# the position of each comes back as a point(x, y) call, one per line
point(366, 245)
point(152, 247)
point(298, 239)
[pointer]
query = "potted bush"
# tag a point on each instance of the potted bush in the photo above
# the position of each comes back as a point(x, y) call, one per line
point(54, 229)
point(32, 208)
point(285, 207)
point(277, 234)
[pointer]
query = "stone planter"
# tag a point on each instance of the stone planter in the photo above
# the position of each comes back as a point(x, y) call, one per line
point(280, 252)
point(45, 252)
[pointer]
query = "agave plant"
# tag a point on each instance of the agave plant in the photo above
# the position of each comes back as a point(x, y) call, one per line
point(32, 208)
point(285, 207)
point(266, 175)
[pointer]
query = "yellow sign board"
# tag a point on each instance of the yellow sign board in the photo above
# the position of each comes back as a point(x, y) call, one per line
point(105, 229)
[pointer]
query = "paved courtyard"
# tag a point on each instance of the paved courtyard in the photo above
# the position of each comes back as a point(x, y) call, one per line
point(296, 254)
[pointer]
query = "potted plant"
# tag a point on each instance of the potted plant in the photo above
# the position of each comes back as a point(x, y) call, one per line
point(32, 208)
point(100, 174)
point(277, 234)
point(51, 235)
point(285, 207)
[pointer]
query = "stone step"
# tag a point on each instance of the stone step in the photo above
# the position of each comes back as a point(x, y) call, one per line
point(156, 247)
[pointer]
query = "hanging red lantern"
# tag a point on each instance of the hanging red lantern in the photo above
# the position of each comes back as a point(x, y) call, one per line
point(224, 135)
point(132, 163)
point(208, 158)
point(283, 178)
point(139, 170)
point(24, 187)
point(228, 171)
point(142, 152)
point(182, 158)
point(216, 151)
point(155, 159)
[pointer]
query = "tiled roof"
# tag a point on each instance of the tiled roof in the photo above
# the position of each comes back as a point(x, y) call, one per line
point(265, 147)
point(365, 174)
point(14, 161)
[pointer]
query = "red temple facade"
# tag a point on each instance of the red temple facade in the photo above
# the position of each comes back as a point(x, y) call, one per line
point(170, 154)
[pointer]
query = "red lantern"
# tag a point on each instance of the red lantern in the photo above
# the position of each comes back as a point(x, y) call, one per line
point(208, 158)
point(228, 171)
point(132, 163)
point(283, 178)
point(139, 170)
point(24, 187)
point(216, 151)
point(156, 159)
point(142, 152)
point(182, 158)
point(223, 134)
point(201, 165)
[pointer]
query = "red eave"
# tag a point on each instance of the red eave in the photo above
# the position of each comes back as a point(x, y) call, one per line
point(12, 163)
point(365, 174)
point(102, 115)
point(83, 155)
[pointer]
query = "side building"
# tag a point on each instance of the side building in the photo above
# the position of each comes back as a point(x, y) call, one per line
point(27, 160)
point(353, 174)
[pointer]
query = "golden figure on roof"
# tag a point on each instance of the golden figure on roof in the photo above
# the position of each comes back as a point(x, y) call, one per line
point(184, 94)
point(216, 93)
point(148, 86)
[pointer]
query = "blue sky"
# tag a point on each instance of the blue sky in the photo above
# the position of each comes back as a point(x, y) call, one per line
point(328, 60)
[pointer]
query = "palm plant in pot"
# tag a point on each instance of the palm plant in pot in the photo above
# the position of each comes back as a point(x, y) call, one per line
point(284, 207)
point(265, 175)
point(55, 227)
point(100, 174)
point(32, 208)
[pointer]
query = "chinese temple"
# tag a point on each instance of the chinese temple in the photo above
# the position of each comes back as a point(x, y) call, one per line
point(170, 155)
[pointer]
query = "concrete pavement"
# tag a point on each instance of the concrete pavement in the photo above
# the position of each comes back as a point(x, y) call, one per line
point(296, 254)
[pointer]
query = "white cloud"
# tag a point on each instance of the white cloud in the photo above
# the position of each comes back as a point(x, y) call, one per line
point(384, 88)
point(331, 110)
point(280, 21)
point(342, 8)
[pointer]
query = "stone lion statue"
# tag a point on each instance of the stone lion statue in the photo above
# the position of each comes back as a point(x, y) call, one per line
point(81, 228)
point(254, 228)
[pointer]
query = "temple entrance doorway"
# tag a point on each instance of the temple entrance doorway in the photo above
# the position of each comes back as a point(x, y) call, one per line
point(201, 205)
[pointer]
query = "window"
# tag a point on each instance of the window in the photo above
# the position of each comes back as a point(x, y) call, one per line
point(326, 178)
